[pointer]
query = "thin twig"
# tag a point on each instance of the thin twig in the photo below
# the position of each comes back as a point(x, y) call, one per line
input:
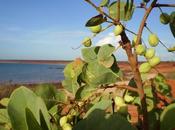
point(130, 31)
point(164, 5)
point(128, 88)
point(142, 25)
point(101, 11)
point(110, 25)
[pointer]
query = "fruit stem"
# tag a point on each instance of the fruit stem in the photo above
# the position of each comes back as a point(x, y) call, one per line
point(148, 28)
point(159, 39)
point(160, 9)
point(142, 25)
point(101, 11)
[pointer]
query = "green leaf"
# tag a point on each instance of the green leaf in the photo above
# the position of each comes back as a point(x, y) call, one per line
point(99, 120)
point(73, 69)
point(150, 99)
point(105, 51)
point(104, 3)
point(172, 28)
point(43, 122)
point(167, 121)
point(90, 54)
point(126, 10)
point(101, 105)
point(108, 62)
point(61, 96)
point(32, 123)
point(104, 55)
point(172, 23)
point(71, 85)
point(4, 102)
point(84, 92)
point(96, 20)
point(161, 85)
point(4, 118)
point(3, 128)
point(72, 72)
point(97, 74)
point(21, 99)
point(54, 110)
point(153, 117)
point(48, 93)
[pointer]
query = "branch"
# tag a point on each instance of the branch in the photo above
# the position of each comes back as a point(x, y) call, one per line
point(101, 11)
point(148, 11)
point(128, 88)
point(164, 5)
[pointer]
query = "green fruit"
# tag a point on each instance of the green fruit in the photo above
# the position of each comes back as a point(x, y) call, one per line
point(118, 30)
point(153, 40)
point(123, 109)
point(140, 49)
point(95, 29)
point(154, 61)
point(164, 18)
point(171, 49)
point(150, 53)
point(119, 101)
point(67, 126)
point(128, 98)
point(145, 67)
point(70, 118)
point(87, 42)
point(63, 120)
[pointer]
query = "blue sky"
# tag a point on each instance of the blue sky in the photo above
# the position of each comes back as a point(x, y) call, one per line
point(48, 29)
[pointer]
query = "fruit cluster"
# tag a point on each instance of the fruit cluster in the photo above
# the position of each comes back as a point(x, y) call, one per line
point(65, 122)
point(148, 53)
point(120, 102)
point(140, 49)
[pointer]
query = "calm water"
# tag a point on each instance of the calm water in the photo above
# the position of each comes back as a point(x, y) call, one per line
point(30, 73)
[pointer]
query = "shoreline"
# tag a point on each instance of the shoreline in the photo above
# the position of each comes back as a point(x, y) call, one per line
point(62, 61)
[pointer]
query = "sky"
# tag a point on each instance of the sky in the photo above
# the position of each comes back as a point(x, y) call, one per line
point(52, 29)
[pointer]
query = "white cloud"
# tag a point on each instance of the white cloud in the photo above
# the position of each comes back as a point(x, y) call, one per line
point(109, 39)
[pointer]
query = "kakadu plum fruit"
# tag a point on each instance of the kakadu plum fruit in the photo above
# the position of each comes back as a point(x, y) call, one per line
point(95, 29)
point(150, 52)
point(119, 101)
point(154, 61)
point(140, 49)
point(153, 40)
point(128, 98)
point(87, 42)
point(63, 120)
point(67, 126)
point(118, 30)
point(145, 67)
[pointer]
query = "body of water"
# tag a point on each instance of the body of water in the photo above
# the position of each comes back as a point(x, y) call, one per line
point(30, 73)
